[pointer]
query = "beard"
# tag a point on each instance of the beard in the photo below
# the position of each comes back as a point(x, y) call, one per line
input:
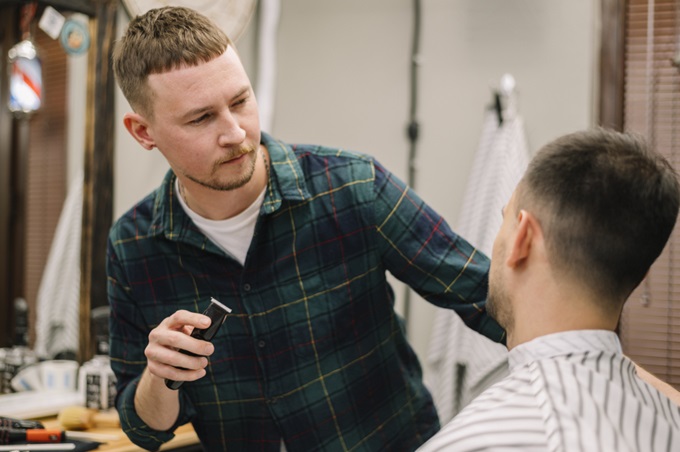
point(498, 306)
point(236, 182)
point(498, 303)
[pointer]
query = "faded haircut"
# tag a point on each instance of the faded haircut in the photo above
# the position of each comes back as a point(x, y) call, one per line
point(161, 40)
point(607, 204)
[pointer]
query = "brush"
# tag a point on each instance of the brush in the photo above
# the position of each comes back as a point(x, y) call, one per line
point(82, 418)
point(90, 436)
point(52, 435)
point(42, 435)
point(28, 447)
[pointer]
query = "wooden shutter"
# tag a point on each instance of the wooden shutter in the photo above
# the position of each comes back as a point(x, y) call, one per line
point(650, 326)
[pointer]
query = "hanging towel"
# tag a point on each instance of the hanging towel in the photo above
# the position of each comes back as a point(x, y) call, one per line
point(58, 300)
point(462, 362)
point(500, 162)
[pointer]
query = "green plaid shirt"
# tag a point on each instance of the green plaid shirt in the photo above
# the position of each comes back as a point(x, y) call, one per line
point(313, 352)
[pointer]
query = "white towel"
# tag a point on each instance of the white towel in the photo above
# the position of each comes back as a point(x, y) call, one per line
point(499, 164)
point(58, 300)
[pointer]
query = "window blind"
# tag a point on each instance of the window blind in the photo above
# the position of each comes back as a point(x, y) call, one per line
point(650, 325)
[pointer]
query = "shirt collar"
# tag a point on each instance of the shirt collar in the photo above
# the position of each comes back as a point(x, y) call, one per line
point(565, 343)
point(286, 182)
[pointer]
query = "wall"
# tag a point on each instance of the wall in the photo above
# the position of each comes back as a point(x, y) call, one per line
point(343, 79)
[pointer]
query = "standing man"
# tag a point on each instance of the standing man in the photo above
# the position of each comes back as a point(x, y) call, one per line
point(296, 240)
point(590, 216)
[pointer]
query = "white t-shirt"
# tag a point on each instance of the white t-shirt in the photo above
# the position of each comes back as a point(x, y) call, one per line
point(232, 235)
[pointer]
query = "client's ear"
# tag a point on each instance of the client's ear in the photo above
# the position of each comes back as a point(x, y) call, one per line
point(527, 231)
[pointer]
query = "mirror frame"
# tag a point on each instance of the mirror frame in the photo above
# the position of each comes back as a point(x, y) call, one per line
point(98, 170)
point(612, 70)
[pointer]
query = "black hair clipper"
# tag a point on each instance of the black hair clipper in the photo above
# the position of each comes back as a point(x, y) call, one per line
point(217, 313)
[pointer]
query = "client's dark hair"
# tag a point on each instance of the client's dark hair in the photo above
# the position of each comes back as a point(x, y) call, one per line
point(607, 204)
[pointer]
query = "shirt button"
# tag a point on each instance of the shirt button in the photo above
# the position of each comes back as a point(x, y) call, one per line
point(261, 344)
point(246, 287)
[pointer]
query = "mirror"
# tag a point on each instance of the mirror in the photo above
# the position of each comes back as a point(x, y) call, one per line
point(457, 62)
point(97, 168)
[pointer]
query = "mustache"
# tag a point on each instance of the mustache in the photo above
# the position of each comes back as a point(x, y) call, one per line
point(236, 154)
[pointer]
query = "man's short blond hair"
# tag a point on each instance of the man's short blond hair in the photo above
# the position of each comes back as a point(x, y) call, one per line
point(161, 40)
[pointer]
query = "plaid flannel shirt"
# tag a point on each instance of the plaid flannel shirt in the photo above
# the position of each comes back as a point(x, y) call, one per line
point(313, 352)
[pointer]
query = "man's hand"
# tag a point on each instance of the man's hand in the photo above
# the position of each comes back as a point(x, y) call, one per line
point(156, 404)
point(165, 360)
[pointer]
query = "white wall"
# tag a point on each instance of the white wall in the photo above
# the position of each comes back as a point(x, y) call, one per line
point(343, 80)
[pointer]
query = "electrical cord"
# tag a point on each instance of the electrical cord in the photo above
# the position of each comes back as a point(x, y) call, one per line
point(413, 128)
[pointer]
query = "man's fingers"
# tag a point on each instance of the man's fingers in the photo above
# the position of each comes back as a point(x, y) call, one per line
point(170, 356)
point(172, 353)
point(173, 332)
point(175, 373)
point(180, 319)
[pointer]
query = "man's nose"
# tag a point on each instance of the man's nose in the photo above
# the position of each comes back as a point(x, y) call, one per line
point(231, 131)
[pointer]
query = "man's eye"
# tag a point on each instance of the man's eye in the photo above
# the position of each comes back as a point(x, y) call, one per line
point(240, 102)
point(200, 119)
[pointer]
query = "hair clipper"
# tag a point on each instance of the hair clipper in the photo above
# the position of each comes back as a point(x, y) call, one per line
point(217, 313)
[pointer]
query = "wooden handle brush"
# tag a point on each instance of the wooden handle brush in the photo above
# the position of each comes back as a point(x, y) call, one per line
point(82, 418)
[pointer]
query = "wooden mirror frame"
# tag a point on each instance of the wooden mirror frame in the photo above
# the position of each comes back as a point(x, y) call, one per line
point(612, 71)
point(98, 170)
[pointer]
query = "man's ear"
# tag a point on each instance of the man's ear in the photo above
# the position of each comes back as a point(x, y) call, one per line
point(527, 231)
point(138, 127)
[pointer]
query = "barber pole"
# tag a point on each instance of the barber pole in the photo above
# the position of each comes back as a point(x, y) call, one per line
point(26, 86)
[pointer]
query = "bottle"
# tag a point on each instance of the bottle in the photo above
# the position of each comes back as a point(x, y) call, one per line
point(3, 356)
point(96, 379)
point(19, 355)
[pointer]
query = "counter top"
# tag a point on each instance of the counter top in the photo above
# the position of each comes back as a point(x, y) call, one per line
point(185, 437)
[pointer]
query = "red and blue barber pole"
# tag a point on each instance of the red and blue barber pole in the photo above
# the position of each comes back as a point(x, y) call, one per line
point(26, 85)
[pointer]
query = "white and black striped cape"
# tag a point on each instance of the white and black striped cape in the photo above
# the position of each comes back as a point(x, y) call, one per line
point(572, 391)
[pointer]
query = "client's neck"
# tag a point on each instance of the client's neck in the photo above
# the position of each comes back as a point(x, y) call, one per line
point(555, 310)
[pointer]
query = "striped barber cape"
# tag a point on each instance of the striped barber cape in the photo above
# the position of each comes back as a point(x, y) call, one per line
point(571, 391)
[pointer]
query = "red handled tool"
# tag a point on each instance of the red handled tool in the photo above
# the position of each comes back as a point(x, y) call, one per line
point(32, 435)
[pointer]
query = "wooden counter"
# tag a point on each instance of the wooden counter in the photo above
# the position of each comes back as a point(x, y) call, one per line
point(185, 438)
